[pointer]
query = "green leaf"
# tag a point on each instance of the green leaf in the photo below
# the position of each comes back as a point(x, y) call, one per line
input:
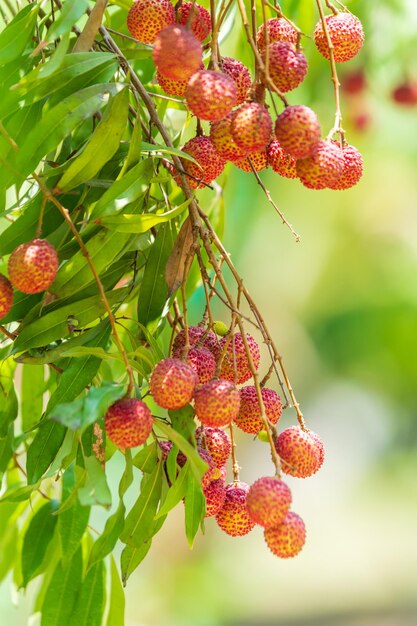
point(73, 522)
point(9, 512)
point(151, 147)
point(198, 466)
point(43, 449)
point(33, 384)
point(89, 605)
point(108, 538)
point(176, 492)
point(8, 398)
point(62, 592)
point(126, 223)
point(147, 458)
point(18, 34)
point(18, 493)
point(116, 612)
point(68, 16)
point(36, 540)
point(195, 508)
point(132, 557)
point(96, 489)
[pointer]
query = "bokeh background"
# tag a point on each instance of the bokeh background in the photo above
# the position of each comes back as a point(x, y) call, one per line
point(342, 306)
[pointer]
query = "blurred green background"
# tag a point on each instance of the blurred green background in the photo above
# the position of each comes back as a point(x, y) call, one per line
point(342, 306)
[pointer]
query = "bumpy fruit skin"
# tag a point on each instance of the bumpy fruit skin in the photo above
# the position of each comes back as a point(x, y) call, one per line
point(249, 418)
point(235, 360)
point(217, 403)
point(287, 65)
point(298, 131)
point(301, 452)
point(215, 494)
point(210, 95)
point(233, 517)
point(405, 94)
point(278, 30)
point(128, 423)
point(287, 539)
point(172, 383)
point(202, 361)
point(147, 17)
point(199, 22)
point(346, 34)
point(33, 266)
point(6, 296)
point(268, 501)
point(165, 448)
point(259, 162)
point(281, 162)
point(210, 162)
point(172, 87)
point(352, 168)
point(252, 127)
point(217, 442)
point(195, 337)
point(221, 136)
point(323, 167)
point(177, 53)
point(239, 73)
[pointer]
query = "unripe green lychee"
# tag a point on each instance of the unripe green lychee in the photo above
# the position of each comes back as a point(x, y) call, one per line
point(233, 517)
point(323, 167)
point(220, 328)
point(198, 336)
point(268, 501)
point(239, 73)
point(217, 443)
point(215, 495)
point(222, 138)
point(217, 403)
point(281, 162)
point(287, 539)
point(235, 362)
point(258, 159)
point(346, 34)
point(6, 296)
point(252, 127)
point(298, 131)
point(352, 168)
point(287, 65)
point(147, 17)
point(278, 29)
point(301, 452)
point(172, 383)
point(177, 53)
point(33, 266)
point(128, 423)
point(202, 361)
point(210, 163)
point(249, 418)
point(196, 17)
point(210, 95)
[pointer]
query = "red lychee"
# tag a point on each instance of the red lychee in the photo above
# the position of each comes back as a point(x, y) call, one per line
point(233, 517)
point(147, 17)
point(258, 159)
point(352, 168)
point(128, 423)
point(249, 418)
point(196, 17)
point(215, 494)
point(210, 95)
point(172, 87)
point(172, 383)
point(216, 403)
point(252, 127)
point(202, 361)
point(221, 136)
point(405, 94)
point(353, 82)
point(301, 452)
point(177, 53)
point(239, 73)
point(165, 448)
point(235, 362)
point(278, 30)
point(210, 163)
point(346, 34)
point(33, 266)
point(287, 65)
point(198, 336)
point(298, 131)
point(323, 167)
point(268, 501)
point(217, 442)
point(281, 162)
point(287, 539)
point(6, 296)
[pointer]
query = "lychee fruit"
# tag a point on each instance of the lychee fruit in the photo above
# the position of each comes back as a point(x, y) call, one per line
point(249, 418)
point(172, 383)
point(211, 95)
point(233, 517)
point(209, 162)
point(172, 87)
point(165, 448)
point(128, 423)
point(259, 161)
point(235, 364)
point(215, 494)
point(353, 82)
point(202, 361)
point(278, 30)
point(405, 94)
point(6, 296)
point(252, 127)
point(298, 131)
point(287, 66)
point(301, 452)
point(268, 501)
point(287, 539)
point(33, 266)
point(196, 17)
point(222, 138)
point(346, 34)
point(147, 17)
point(217, 442)
point(212, 473)
point(239, 73)
point(177, 53)
point(198, 336)
point(323, 167)
point(352, 168)
point(281, 162)
point(217, 403)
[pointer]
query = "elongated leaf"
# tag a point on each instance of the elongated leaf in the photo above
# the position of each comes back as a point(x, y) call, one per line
point(62, 592)
point(86, 411)
point(18, 34)
point(195, 508)
point(44, 449)
point(116, 613)
point(108, 538)
point(126, 223)
point(33, 384)
point(147, 458)
point(8, 398)
point(140, 520)
point(96, 489)
point(180, 258)
point(9, 512)
point(89, 604)
point(198, 466)
point(176, 492)
point(151, 147)
point(37, 538)
point(132, 557)
point(69, 14)
point(73, 522)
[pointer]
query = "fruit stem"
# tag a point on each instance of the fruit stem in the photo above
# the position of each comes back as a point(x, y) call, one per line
point(40, 220)
point(214, 61)
point(235, 464)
